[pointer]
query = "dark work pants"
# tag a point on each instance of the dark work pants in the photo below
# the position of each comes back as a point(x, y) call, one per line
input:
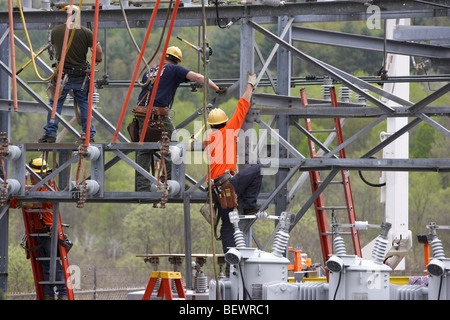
point(247, 184)
point(144, 158)
point(45, 251)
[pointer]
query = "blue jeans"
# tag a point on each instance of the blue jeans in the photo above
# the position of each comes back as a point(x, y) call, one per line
point(247, 184)
point(45, 251)
point(81, 95)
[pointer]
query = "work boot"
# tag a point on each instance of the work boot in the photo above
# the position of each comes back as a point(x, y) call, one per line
point(251, 211)
point(47, 139)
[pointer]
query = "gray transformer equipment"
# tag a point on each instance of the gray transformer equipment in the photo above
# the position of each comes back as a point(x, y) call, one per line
point(355, 278)
point(256, 274)
point(260, 275)
point(438, 269)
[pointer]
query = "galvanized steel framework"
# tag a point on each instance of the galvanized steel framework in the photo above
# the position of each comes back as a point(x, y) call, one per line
point(284, 107)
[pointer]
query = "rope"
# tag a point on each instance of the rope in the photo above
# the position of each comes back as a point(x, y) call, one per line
point(92, 76)
point(205, 91)
point(61, 64)
point(133, 79)
point(147, 64)
point(161, 64)
point(13, 54)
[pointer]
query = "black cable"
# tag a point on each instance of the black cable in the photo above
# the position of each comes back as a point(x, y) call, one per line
point(216, 2)
point(243, 283)
point(440, 287)
point(338, 285)
point(376, 185)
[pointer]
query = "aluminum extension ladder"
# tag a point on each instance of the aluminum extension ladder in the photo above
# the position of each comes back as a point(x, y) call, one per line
point(319, 203)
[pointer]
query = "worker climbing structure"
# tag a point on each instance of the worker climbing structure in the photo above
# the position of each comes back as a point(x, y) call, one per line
point(277, 114)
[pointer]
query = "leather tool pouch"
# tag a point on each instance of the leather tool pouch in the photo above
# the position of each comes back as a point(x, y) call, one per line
point(154, 130)
point(133, 130)
point(227, 196)
point(155, 126)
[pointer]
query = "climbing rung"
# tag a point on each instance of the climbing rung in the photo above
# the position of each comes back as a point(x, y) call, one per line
point(331, 182)
point(43, 258)
point(317, 156)
point(323, 130)
point(37, 210)
point(341, 233)
point(49, 282)
point(318, 105)
point(332, 208)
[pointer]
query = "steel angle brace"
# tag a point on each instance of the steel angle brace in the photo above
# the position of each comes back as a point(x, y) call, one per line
point(416, 108)
point(323, 148)
point(314, 139)
point(271, 55)
point(356, 136)
point(314, 196)
point(434, 124)
point(342, 76)
point(306, 206)
point(279, 138)
point(276, 191)
point(137, 167)
point(420, 117)
point(197, 185)
point(54, 173)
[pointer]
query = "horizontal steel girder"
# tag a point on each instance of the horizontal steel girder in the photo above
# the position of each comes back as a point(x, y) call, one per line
point(190, 16)
point(347, 40)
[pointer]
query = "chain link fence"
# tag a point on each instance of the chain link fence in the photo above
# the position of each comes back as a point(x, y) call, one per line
point(99, 294)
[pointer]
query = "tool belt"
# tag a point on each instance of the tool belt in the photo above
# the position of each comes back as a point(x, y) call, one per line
point(76, 71)
point(225, 191)
point(156, 111)
point(155, 126)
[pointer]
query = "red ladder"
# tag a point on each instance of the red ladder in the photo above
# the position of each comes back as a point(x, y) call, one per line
point(319, 203)
point(31, 219)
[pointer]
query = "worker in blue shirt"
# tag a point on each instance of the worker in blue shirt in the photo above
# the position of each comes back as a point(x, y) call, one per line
point(172, 75)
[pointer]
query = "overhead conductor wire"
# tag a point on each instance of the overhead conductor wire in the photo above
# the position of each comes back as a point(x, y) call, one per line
point(147, 63)
point(136, 69)
point(13, 54)
point(208, 155)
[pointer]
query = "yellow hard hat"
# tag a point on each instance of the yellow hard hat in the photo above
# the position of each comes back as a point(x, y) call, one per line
point(73, 7)
point(175, 52)
point(38, 165)
point(217, 116)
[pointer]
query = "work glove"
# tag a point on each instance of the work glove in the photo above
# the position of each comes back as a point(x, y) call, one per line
point(252, 79)
point(191, 143)
point(221, 90)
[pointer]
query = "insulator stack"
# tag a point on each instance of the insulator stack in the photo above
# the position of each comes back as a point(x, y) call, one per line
point(280, 243)
point(379, 250)
point(339, 246)
point(438, 249)
point(239, 238)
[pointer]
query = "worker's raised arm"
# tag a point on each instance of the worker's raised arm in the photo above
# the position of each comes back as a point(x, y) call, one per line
point(251, 83)
point(200, 79)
